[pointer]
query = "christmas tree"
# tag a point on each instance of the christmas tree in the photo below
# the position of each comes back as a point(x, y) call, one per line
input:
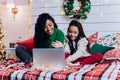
point(2, 47)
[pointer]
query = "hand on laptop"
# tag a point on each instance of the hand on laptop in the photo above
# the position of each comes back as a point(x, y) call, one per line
point(57, 44)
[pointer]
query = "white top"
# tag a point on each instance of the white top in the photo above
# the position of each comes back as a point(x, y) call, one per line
point(80, 52)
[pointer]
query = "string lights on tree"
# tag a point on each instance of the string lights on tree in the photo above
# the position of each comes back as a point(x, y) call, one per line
point(2, 47)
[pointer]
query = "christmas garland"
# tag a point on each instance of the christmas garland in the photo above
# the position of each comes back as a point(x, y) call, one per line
point(81, 13)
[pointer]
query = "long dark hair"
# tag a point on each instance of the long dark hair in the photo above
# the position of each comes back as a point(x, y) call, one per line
point(40, 37)
point(80, 35)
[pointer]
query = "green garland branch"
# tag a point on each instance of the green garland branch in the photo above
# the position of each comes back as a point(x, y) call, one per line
point(81, 13)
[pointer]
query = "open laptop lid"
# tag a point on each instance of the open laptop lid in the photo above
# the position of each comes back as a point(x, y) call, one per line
point(49, 58)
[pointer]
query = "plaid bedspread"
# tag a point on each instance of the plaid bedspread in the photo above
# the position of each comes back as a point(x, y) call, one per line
point(16, 70)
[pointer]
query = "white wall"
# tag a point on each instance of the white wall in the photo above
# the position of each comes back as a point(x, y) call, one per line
point(104, 16)
point(12, 30)
point(107, 23)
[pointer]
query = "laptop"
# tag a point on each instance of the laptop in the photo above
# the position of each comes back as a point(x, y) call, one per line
point(49, 59)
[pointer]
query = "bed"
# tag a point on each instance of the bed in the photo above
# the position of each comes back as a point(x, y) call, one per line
point(107, 69)
point(16, 70)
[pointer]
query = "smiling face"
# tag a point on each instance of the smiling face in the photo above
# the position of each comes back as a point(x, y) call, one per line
point(49, 27)
point(73, 32)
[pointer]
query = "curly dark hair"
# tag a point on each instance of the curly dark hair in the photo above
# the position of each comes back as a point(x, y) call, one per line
point(40, 37)
point(80, 35)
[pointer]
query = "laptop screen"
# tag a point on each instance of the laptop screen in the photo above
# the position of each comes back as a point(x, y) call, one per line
point(49, 58)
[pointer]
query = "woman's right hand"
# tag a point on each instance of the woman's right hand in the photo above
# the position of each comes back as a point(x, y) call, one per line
point(57, 44)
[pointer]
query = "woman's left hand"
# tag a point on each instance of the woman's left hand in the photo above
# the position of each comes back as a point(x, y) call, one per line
point(68, 63)
point(57, 44)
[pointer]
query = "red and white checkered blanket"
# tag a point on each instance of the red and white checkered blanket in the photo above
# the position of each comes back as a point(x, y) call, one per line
point(16, 70)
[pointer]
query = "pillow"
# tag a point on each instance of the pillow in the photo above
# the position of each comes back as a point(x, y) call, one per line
point(93, 38)
point(112, 54)
point(28, 43)
point(112, 40)
point(100, 48)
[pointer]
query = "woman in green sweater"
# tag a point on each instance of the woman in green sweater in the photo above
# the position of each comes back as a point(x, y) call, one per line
point(47, 35)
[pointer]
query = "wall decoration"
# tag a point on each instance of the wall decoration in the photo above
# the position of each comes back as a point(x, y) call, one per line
point(14, 10)
point(81, 13)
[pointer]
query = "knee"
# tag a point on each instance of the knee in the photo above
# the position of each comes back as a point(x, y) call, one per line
point(99, 56)
point(19, 48)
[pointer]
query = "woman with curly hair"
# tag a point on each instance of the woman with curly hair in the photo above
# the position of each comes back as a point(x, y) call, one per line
point(47, 35)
